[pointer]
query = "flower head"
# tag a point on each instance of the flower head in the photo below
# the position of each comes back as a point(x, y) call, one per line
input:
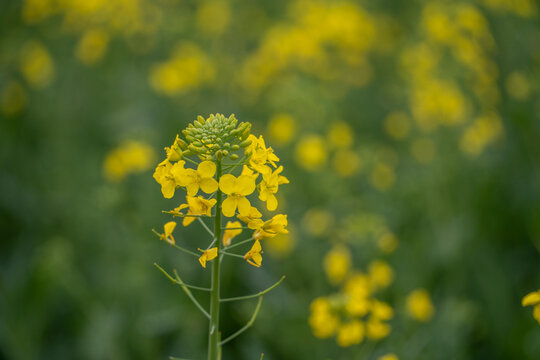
point(207, 256)
point(237, 189)
point(253, 256)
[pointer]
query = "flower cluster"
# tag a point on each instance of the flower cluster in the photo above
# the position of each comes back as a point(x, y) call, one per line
point(223, 145)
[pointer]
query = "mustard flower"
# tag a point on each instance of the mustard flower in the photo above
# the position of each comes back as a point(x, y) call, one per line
point(202, 178)
point(228, 235)
point(269, 186)
point(207, 256)
point(272, 227)
point(419, 305)
point(169, 176)
point(376, 329)
point(197, 206)
point(253, 219)
point(237, 189)
point(253, 256)
point(350, 333)
point(533, 299)
point(168, 229)
point(260, 155)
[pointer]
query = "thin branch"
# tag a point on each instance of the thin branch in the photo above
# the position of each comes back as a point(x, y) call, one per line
point(234, 228)
point(186, 290)
point(191, 161)
point(249, 323)
point(186, 250)
point(239, 243)
point(261, 293)
point(206, 227)
point(231, 254)
point(178, 281)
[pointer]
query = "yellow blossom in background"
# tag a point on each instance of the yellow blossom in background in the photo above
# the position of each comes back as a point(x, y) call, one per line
point(423, 150)
point(202, 178)
point(237, 189)
point(12, 98)
point(346, 163)
point(196, 206)
point(397, 124)
point(525, 8)
point(381, 310)
point(387, 242)
point(34, 11)
point(419, 305)
point(129, 158)
point(213, 16)
point(382, 176)
point(380, 274)
point(376, 329)
point(311, 153)
point(518, 86)
point(167, 233)
point(36, 65)
point(322, 320)
point(337, 263)
point(350, 333)
point(317, 221)
point(340, 135)
point(482, 132)
point(228, 235)
point(533, 299)
point(92, 46)
point(207, 256)
point(253, 256)
point(281, 128)
point(389, 356)
point(187, 69)
point(358, 286)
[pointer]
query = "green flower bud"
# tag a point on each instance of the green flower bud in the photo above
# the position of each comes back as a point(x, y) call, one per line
point(234, 157)
point(235, 147)
point(245, 143)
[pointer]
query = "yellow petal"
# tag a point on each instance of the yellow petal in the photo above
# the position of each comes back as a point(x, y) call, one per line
point(206, 169)
point(257, 260)
point(227, 183)
point(209, 185)
point(167, 189)
point(211, 253)
point(192, 188)
point(256, 246)
point(531, 299)
point(244, 206)
point(169, 227)
point(536, 313)
point(271, 203)
point(229, 206)
point(245, 185)
point(188, 220)
point(202, 260)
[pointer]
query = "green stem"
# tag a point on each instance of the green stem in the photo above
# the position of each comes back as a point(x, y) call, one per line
point(249, 323)
point(260, 293)
point(239, 243)
point(213, 329)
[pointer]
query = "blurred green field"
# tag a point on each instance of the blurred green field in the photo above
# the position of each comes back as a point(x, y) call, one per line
point(410, 133)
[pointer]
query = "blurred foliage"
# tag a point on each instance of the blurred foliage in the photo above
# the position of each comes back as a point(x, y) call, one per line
point(409, 130)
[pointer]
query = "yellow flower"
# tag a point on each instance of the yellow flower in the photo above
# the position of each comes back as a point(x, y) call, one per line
point(419, 305)
point(381, 310)
point(237, 189)
point(350, 334)
point(311, 152)
point(174, 153)
point(169, 176)
point(358, 286)
point(129, 157)
point(533, 299)
point(272, 227)
point(282, 128)
point(269, 186)
point(380, 273)
point(337, 263)
point(228, 235)
point(36, 65)
point(357, 306)
point(260, 155)
point(253, 219)
point(321, 319)
point(247, 171)
point(203, 177)
point(92, 46)
point(340, 135)
point(376, 329)
point(254, 256)
point(389, 356)
point(207, 256)
point(387, 242)
point(168, 230)
point(197, 206)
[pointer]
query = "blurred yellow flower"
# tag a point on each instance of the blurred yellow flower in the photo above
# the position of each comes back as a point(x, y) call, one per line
point(423, 150)
point(350, 333)
point(213, 16)
point(228, 235)
point(322, 321)
point(397, 125)
point(281, 128)
point(381, 310)
point(337, 263)
point(317, 221)
point(92, 46)
point(533, 299)
point(380, 274)
point(376, 329)
point(281, 245)
point(340, 135)
point(387, 242)
point(253, 256)
point(419, 305)
point(518, 86)
point(237, 189)
point(389, 356)
point(13, 98)
point(482, 132)
point(202, 178)
point(129, 157)
point(311, 152)
point(346, 163)
point(207, 256)
point(382, 176)
point(36, 65)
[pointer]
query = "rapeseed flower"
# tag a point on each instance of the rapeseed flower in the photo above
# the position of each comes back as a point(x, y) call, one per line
point(197, 206)
point(272, 227)
point(168, 229)
point(419, 305)
point(253, 256)
point(236, 190)
point(202, 178)
point(232, 229)
point(269, 186)
point(207, 255)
